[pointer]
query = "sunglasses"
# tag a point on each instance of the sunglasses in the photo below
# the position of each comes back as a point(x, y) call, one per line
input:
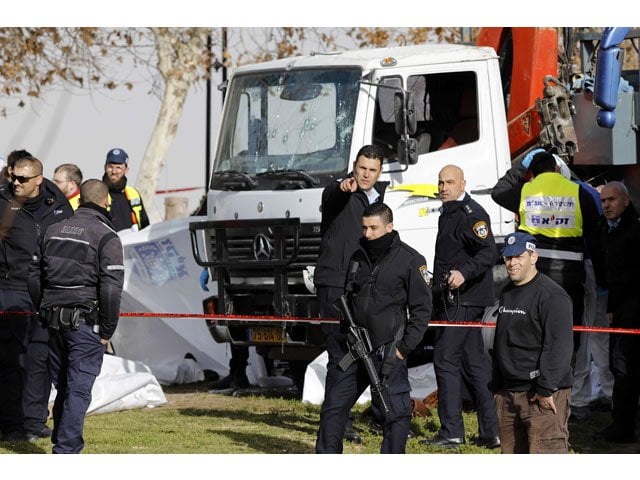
point(22, 178)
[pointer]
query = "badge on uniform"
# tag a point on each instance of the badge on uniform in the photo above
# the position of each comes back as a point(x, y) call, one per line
point(481, 229)
point(426, 274)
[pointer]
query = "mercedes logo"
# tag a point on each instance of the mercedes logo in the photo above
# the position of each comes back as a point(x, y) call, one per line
point(262, 249)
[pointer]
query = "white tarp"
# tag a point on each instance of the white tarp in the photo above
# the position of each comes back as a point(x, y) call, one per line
point(123, 385)
point(161, 276)
point(422, 380)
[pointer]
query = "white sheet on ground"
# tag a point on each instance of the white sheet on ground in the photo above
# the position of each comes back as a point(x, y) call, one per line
point(421, 378)
point(123, 385)
point(161, 276)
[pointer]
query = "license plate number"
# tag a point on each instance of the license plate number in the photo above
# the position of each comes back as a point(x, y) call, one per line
point(266, 335)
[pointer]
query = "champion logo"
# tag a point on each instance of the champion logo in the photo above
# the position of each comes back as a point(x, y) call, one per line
point(514, 311)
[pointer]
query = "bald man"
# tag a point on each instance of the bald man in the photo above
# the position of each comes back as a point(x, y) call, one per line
point(462, 287)
point(617, 264)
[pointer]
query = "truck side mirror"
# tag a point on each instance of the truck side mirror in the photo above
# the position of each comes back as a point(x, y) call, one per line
point(404, 113)
point(407, 150)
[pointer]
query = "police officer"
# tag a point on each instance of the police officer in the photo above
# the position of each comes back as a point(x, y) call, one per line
point(559, 227)
point(462, 288)
point(387, 278)
point(29, 203)
point(343, 202)
point(76, 280)
point(125, 204)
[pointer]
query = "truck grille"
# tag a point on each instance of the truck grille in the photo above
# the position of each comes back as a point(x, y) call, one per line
point(252, 248)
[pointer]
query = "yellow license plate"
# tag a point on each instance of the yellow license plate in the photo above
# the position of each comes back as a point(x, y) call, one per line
point(267, 335)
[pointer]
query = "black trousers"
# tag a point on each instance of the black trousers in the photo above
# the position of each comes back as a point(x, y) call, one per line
point(624, 362)
point(458, 357)
point(75, 362)
point(334, 339)
point(37, 387)
point(14, 335)
point(342, 390)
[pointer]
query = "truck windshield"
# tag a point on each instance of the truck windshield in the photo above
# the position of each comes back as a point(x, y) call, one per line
point(296, 120)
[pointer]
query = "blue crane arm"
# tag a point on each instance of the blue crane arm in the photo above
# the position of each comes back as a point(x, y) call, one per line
point(608, 69)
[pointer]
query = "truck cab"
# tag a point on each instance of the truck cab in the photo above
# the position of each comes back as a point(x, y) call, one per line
point(292, 126)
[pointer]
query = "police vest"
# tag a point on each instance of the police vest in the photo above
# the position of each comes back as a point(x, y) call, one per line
point(75, 200)
point(133, 197)
point(550, 206)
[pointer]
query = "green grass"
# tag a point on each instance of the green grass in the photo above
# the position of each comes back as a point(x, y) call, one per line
point(195, 421)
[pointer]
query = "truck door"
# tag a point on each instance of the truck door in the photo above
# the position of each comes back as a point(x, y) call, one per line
point(455, 125)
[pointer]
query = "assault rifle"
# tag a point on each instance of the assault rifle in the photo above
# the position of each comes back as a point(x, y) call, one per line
point(360, 347)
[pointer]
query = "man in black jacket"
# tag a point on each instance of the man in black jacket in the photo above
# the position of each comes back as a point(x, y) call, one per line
point(462, 288)
point(617, 235)
point(343, 203)
point(76, 280)
point(388, 279)
point(532, 351)
point(29, 203)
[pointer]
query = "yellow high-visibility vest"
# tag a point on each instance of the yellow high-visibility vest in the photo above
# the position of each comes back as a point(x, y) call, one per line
point(133, 197)
point(550, 206)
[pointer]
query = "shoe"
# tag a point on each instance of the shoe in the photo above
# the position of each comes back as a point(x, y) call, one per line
point(375, 427)
point(487, 442)
point(615, 435)
point(16, 436)
point(45, 432)
point(352, 435)
point(580, 413)
point(230, 382)
point(440, 441)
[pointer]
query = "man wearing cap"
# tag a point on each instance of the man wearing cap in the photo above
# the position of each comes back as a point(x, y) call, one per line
point(559, 213)
point(532, 351)
point(126, 208)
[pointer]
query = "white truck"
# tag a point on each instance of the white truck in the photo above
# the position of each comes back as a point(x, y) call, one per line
point(291, 126)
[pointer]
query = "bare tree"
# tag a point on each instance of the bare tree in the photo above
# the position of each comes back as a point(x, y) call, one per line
point(182, 58)
point(34, 59)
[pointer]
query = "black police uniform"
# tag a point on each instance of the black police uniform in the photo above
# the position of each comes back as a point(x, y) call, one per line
point(383, 289)
point(24, 377)
point(341, 229)
point(464, 243)
point(76, 279)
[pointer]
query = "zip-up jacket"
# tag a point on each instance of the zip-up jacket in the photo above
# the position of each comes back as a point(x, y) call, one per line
point(79, 263)
point(341, 229)
point(384, 291)
point(126, 209)
point(465, 243)
point(533, 341)
point(20, 229)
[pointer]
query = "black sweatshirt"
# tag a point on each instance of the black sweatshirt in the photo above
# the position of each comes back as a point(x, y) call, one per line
point(533, 341)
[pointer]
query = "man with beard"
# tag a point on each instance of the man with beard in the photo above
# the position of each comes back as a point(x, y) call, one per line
point(29, 203)
point(126, 206)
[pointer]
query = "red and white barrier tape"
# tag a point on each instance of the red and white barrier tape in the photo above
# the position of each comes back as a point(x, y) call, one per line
point(315, 321)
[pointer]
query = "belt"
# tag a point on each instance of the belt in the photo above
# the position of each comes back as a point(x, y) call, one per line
point(560, 254)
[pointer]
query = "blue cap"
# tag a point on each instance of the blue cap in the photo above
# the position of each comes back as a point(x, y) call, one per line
point(117, 155)
point(516, 243)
